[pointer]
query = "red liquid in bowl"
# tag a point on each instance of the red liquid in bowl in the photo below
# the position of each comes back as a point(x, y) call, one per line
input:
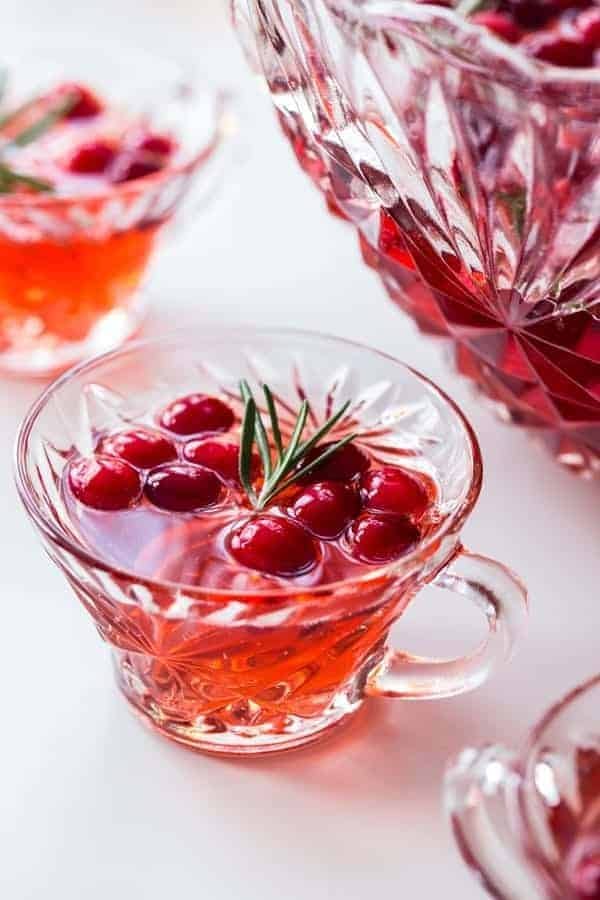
point(535, 352)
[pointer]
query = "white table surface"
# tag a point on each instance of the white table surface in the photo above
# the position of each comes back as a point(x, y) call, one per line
point(92, 805)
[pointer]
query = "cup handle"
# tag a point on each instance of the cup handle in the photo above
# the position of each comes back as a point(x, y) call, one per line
point(481, 795)
point(499, 595)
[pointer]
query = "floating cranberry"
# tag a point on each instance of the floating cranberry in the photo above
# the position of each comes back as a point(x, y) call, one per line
point(85, 103)
point(274, 545)
point(326, 508)
point(571, 5)
point(195, 414)
point(159, 144)
point(183, 488)
point(104, 483)
point(379, 538)
point(92, 159)
point(394, 490)
point(133, 166)
point(501, 24)
point(533, 13)
point(220, 456)
point(588, 25)
point(559, 49)
point(343, 465)
point(142, 447)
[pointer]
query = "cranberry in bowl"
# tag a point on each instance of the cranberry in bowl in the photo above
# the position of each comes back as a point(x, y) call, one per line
point(99, 149)
point(245, 514)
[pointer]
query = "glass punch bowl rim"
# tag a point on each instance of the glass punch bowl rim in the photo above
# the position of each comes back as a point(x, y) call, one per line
point(473, 47)
point(190, 79)
point(451, 523)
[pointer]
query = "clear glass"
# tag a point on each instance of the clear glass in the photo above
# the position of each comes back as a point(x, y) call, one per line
point(529, 824)
point(73, 268)
point(472, 175)
point(253, 671)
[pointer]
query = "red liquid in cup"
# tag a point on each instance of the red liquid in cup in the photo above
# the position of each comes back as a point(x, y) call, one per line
point(127, 506)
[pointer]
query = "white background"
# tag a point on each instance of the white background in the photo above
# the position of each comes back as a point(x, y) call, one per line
point(93, 806)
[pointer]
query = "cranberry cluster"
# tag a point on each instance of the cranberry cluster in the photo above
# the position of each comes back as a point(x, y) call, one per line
point(142, 154)
point(561, 32)
point(189, 464)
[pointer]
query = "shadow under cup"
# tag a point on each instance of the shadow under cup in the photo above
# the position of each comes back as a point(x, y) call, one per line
point(252, 671)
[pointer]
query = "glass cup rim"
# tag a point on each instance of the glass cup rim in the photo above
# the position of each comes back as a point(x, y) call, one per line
point(186, 74)
point(535, 852)
point(419, 555)
point(554, 711)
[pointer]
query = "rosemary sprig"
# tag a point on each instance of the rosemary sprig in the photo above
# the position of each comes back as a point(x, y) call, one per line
point(276, 431)
point(9, 179)
point(45, 122)
point(12, 114)
point(259, 431)
point(286, 468)
point(246, 442)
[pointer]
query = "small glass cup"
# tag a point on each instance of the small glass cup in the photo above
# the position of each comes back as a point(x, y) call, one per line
point(73, 268)
point(252, 671)
point(528, 823)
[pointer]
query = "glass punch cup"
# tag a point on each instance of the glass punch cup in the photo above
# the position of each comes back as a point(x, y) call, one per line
point(245, 514)
point(528, 824)
point(460, 138)
point(100, 148)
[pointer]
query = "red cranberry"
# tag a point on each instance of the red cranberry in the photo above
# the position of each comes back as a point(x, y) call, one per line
point(104, 483)
point(132, 166)
point(92, 159)
point(220, 456)
point(195, 414)
point(588, 25)
point(394, 490)
point(274, 545)
point(183, 488)
point(382, 538)
point(141, 447)
point(559, 49)
point(326, 508)
point(159, 144)
point(343, 465)
point(86, 104)
point(501, 24)
point(533, 13)
point(570, 5)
